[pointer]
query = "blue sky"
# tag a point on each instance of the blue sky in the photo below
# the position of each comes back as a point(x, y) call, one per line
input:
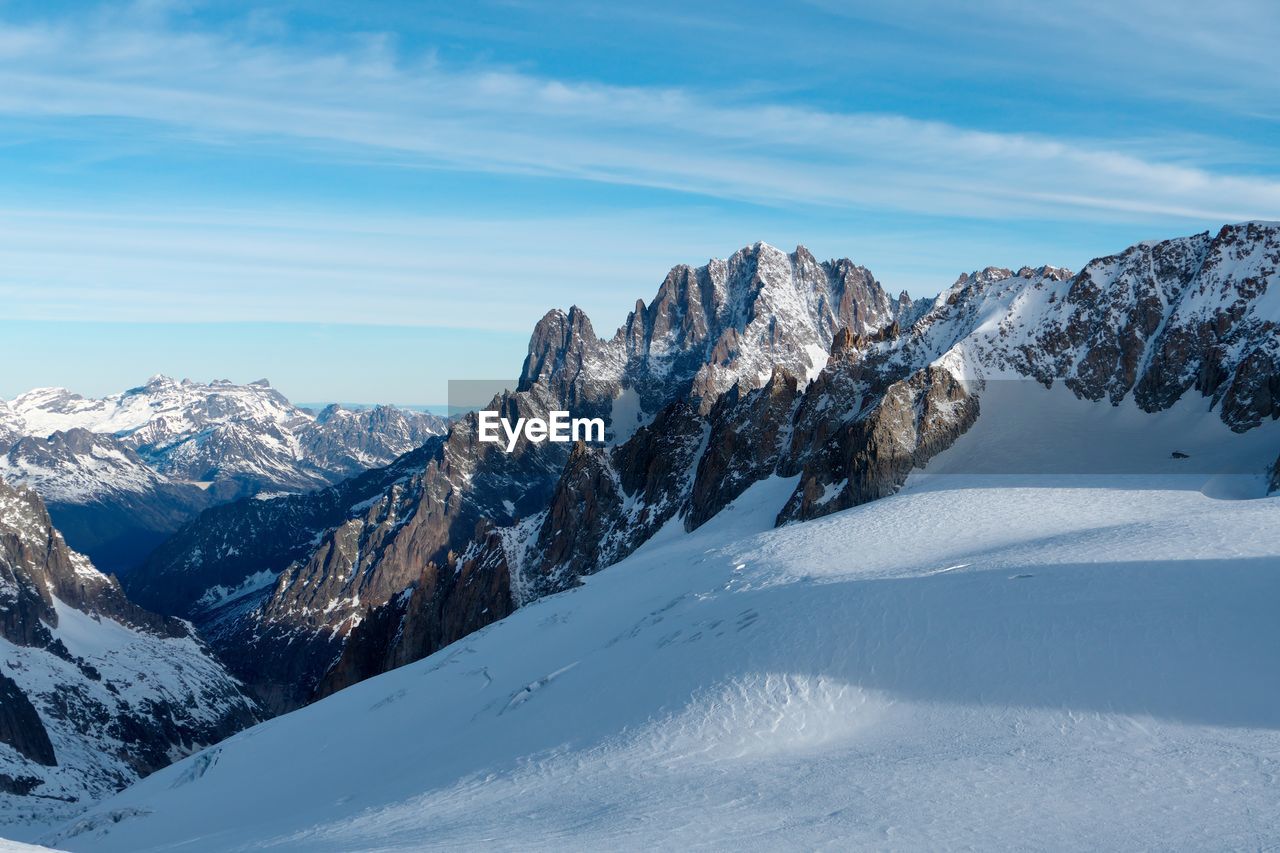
point(361, 201)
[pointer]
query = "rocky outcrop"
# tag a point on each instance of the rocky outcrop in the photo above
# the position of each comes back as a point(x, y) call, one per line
point(445, 604)
point(578, 526)
point(869, 457)
point(21, 727)
point(609, 501)
point(749, 432)
point(571, 363)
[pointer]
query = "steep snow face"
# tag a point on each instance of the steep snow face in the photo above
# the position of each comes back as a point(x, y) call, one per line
point(1088, 662)
point(97, 691)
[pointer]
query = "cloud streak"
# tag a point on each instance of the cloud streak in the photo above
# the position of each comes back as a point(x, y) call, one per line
point(362, 100)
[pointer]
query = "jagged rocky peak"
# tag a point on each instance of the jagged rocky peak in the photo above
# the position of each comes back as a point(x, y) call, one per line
point(730, 321)
point(567, 358)
point(712, 327)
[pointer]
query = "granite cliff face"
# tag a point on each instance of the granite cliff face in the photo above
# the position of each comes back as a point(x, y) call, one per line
point(94, 691)
point(713, 327)
point(120, 474)
point(763, 365)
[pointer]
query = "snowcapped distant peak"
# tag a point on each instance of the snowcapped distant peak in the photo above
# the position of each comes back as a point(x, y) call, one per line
point(144, 443)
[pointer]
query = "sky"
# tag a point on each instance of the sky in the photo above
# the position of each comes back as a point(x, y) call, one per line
point(362, 201)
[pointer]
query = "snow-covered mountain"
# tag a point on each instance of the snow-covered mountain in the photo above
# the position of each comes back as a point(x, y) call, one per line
point(305, 571)
point(105, 496)
point(766, 365)
point(123, 472)
point(1085, 662)
point(94, 691)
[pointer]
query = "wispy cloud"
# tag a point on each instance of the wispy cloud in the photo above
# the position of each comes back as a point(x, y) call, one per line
point(1221, 54)
point(363, 99)
point(235, 265)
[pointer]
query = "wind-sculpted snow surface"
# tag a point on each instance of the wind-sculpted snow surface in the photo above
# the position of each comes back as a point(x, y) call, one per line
point(974, 662)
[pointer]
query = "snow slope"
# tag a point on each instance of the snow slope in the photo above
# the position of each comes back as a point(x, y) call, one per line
point(973, 662)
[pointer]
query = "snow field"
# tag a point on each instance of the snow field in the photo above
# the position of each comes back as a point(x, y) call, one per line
point(1085, 665)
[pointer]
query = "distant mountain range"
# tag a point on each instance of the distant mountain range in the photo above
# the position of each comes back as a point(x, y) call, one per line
point(122, 473)
point(765, 364)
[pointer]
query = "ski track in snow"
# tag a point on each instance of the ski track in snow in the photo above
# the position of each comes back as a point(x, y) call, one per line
point(1089, 665)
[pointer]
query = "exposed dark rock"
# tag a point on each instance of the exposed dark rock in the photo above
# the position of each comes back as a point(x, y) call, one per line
point(445, 604)
point(870, 457)
point(565, 357)
point(21, 728)
point(607, 503)
point(746, 443)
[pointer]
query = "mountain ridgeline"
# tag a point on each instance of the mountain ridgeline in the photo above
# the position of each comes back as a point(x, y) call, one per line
point(122, 473)
point(766, 364)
